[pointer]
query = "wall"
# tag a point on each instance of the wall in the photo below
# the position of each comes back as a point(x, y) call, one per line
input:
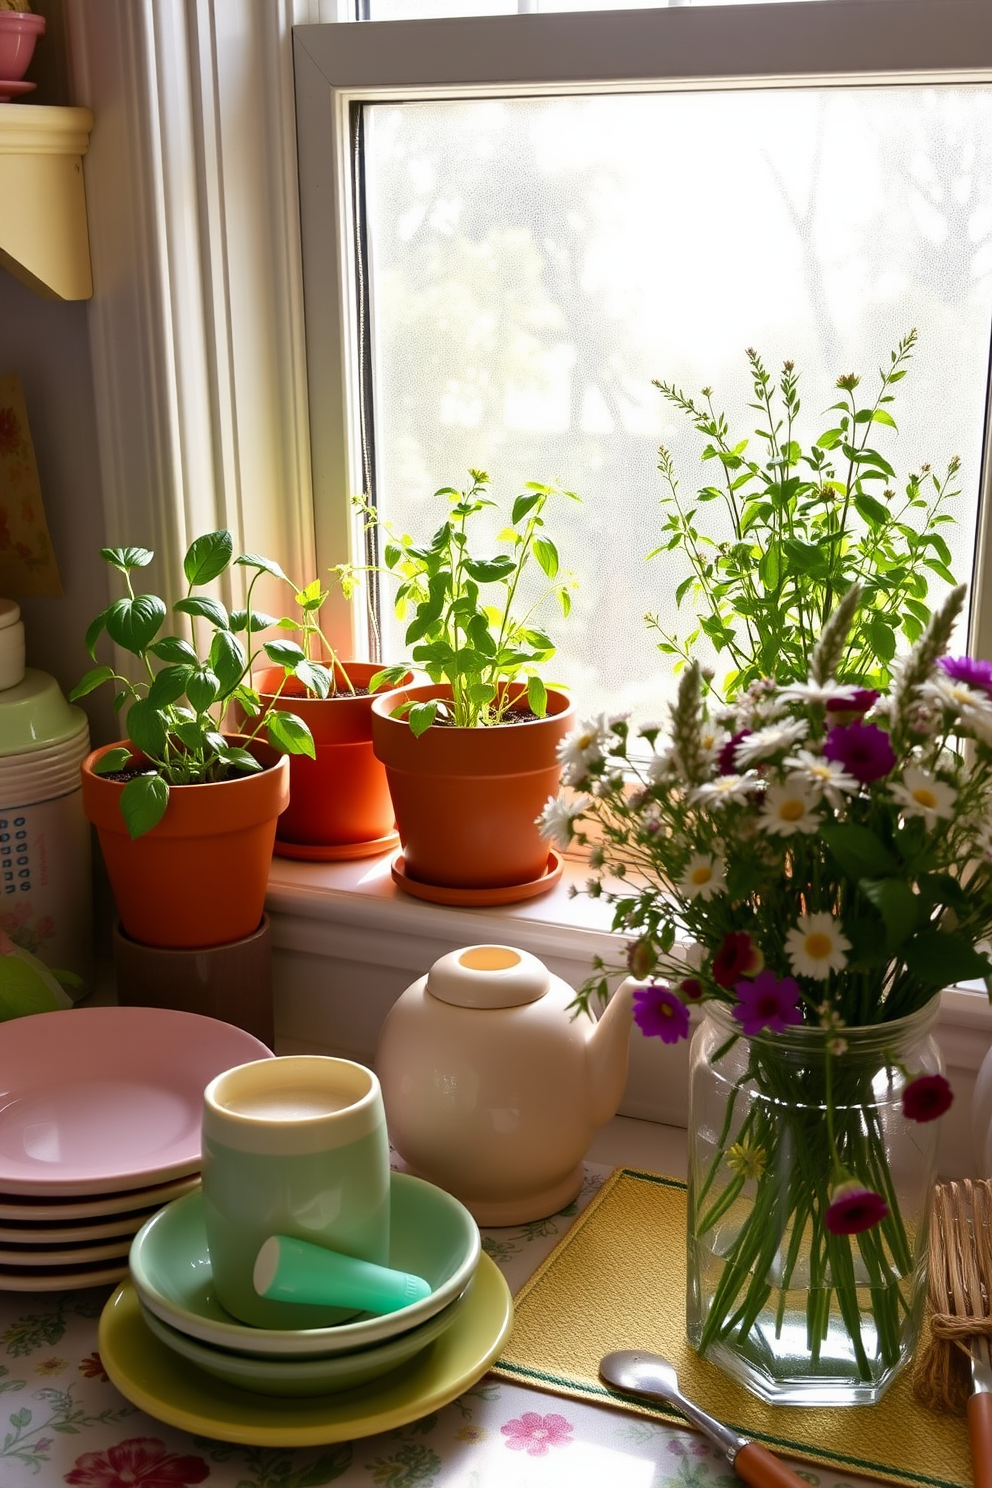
point(47, 343)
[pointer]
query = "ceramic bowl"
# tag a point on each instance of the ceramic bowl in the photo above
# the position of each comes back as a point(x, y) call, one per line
point(18, 34)
point(321, 1375)
point(431, 1234)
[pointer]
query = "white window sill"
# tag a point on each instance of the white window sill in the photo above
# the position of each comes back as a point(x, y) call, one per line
point(347, 942)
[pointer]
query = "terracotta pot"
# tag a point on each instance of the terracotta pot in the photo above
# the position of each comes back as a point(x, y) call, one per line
point(199, 877)
point(341, 798)
point(466, 800)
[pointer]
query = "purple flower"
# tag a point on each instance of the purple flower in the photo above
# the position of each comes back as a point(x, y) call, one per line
point(725, 759)
point(972, 672)
point(926, 1097)
point(862, 748)
point(767, 1003)
point(658, 1013)
point(854, 1208)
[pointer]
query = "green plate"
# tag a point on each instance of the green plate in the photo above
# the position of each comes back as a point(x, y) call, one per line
point(172, 1390)
point(320, 1376)
point(431, 1234)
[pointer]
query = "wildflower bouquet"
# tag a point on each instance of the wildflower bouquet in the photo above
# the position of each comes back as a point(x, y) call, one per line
point(813, 862)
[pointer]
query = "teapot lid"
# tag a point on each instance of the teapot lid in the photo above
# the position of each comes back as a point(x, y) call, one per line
point(488, 976)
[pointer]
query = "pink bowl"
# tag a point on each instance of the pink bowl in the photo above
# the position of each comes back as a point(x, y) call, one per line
point(19, 30)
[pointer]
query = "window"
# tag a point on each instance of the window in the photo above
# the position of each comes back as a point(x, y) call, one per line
point(545, 225)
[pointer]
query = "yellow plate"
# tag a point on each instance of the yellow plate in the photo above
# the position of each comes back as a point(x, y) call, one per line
point(170, 1389)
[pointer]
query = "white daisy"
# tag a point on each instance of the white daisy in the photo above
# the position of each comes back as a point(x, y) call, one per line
point(711, 741)
point(819, 692)
point(922, 794)
point(816, 946)
point(585, 747)
point(826, 776)
point(726, 789)
point(660, 766)
point(557, 820)
point(788, 808)
point(767, 741)
point(974, 708)
point(705, 875)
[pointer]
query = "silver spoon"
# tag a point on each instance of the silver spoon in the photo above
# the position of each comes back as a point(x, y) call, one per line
point(652, 1377)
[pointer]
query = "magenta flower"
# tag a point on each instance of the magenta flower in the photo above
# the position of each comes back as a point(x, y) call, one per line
point(854, 707)
point(926, 1097)
point(862, 748)
point(854, 1208)
point(725, 759)
point(534, 1434)
point(658, 1013)
point(767, 1003)
point(738, 956)
point(973, 672)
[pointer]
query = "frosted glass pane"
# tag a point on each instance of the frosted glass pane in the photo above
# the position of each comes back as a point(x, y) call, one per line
point(535, 264)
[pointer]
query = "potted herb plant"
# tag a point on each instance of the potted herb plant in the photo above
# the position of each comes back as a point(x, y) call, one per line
point(186, 813)
point(339, 801)
point(471, 756)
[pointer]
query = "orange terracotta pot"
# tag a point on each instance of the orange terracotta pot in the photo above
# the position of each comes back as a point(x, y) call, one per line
point(340, 798)
point(466, 800)
point(199, 877)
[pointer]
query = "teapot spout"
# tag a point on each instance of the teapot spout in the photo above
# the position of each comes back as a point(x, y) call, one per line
point(608, 1048)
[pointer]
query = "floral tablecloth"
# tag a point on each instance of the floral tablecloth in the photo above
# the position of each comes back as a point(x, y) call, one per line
point(62, 1421)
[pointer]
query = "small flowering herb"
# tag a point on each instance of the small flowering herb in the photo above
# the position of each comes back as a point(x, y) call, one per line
point(781, 529)
point(926, 1097)
point(854, 1208)
point(736, 956)
point(864, 750)
point(767, 1003)
point(658, 1013)
point(974, 671)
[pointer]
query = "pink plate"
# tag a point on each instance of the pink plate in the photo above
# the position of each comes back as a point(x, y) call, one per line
point(96, 1100)
point(9, 90)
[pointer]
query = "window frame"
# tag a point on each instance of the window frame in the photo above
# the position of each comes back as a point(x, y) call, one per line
point(891, 42)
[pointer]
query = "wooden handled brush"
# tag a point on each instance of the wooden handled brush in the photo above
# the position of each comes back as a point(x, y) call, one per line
point(961, 1321)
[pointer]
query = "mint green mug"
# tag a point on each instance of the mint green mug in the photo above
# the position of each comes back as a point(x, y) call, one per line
point(292, 1146)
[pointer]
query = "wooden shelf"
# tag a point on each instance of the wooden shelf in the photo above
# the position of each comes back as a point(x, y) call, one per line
point(43, 238)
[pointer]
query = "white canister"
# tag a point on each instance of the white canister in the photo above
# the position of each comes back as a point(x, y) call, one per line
point(46, 873)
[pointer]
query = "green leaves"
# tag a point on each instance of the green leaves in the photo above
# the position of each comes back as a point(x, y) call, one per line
point(472, 625)
point(176, 705)
point(780, 530)
point(860, 853)
point(207, 557)
point(940, 958)
point(132, 623)
point(289, 733)
point(143, 803)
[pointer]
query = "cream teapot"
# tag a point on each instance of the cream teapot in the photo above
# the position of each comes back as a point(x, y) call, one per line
point(493, 1089)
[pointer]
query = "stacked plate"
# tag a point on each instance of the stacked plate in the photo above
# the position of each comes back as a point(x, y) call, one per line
point(100, 1112)
point(432, 1235)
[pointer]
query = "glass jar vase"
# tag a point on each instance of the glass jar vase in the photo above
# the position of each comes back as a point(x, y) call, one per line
point(798, 1313)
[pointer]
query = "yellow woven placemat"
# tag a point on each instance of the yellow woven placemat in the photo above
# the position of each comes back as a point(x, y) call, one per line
point(617, 1281)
